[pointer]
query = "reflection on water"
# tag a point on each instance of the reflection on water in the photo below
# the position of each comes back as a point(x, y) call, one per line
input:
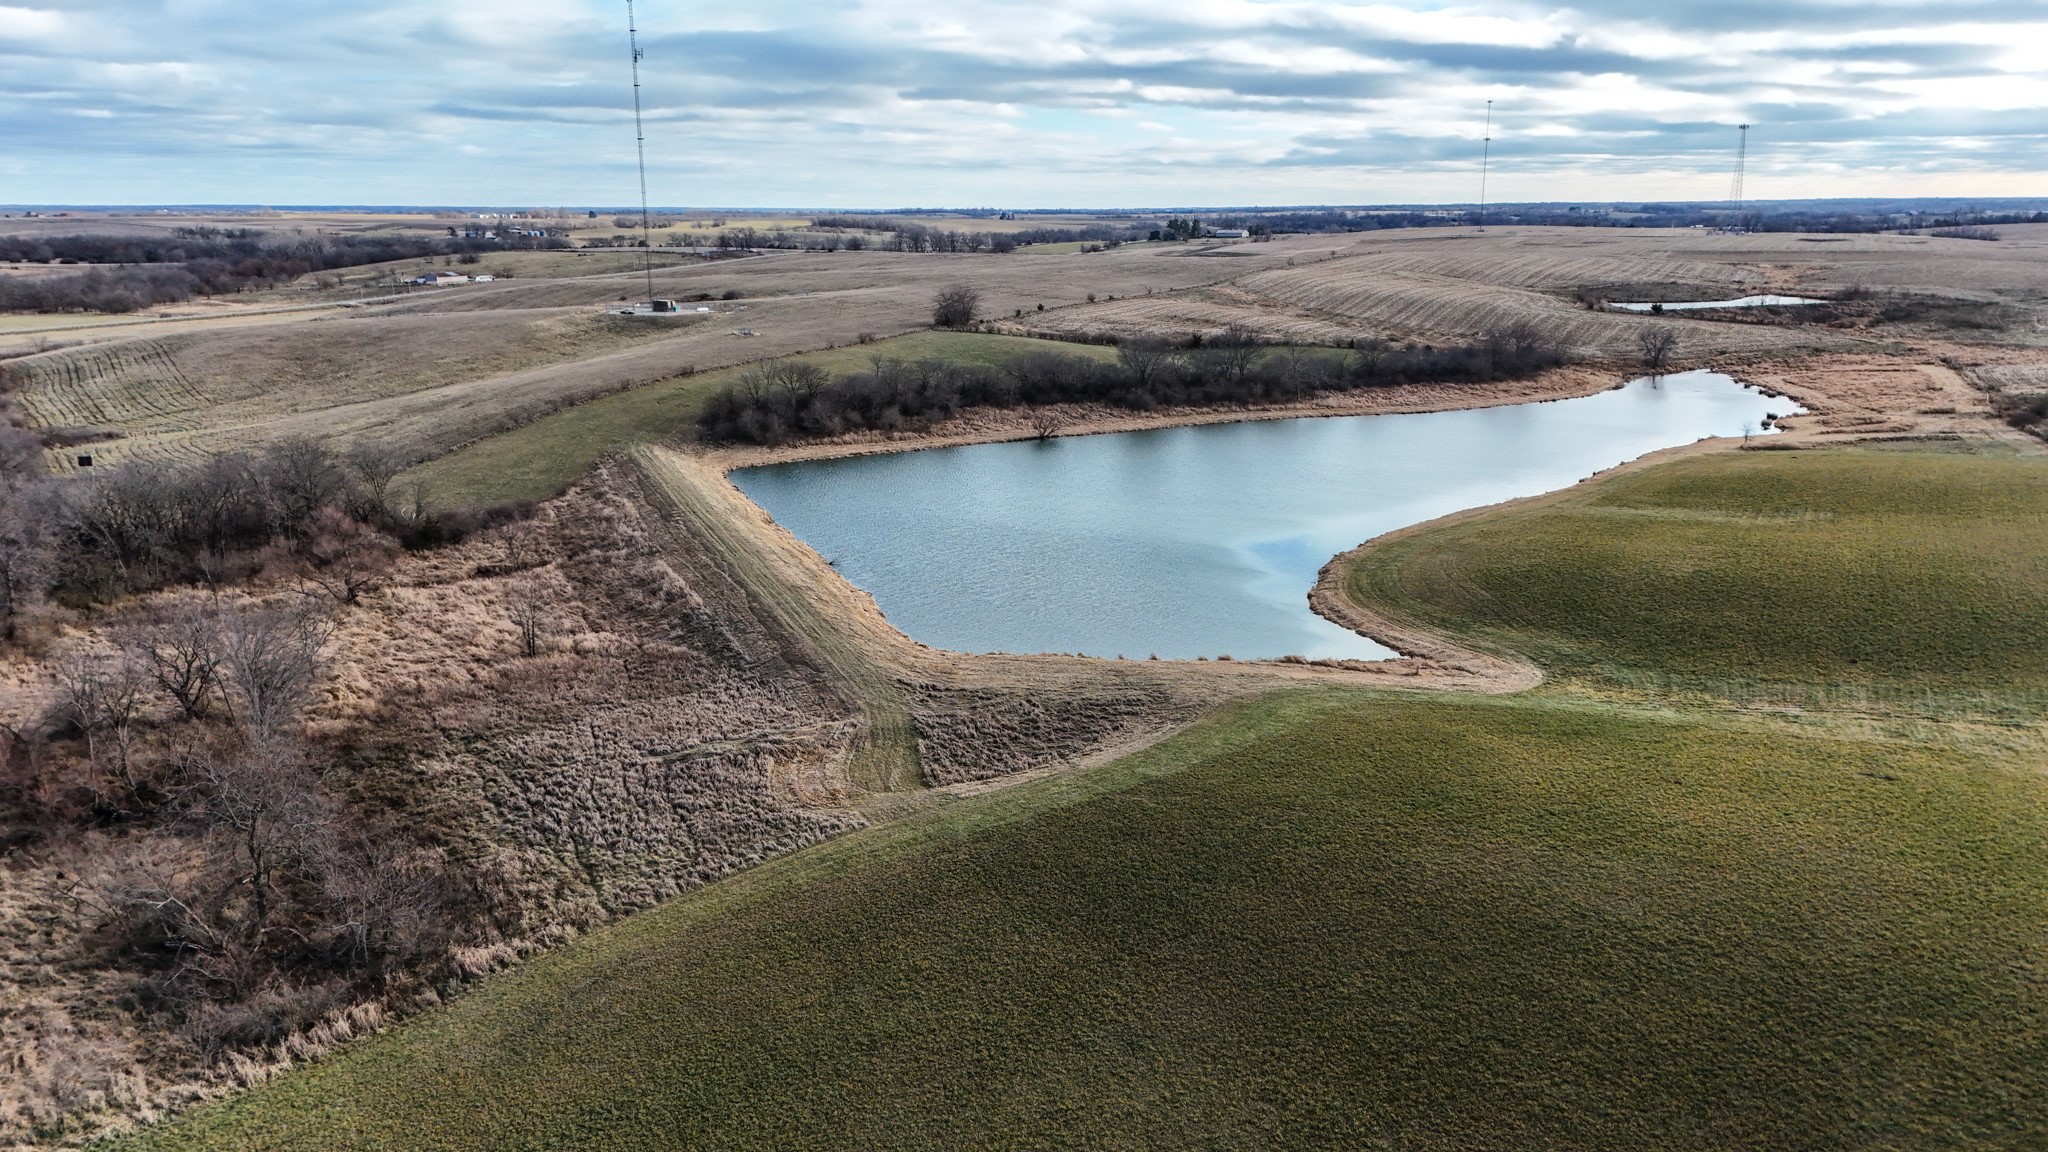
point(1696, 305)
point(1186, 542)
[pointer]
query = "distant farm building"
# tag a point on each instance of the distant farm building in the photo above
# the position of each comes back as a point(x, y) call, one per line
point(436, 279)
point(1229, 234)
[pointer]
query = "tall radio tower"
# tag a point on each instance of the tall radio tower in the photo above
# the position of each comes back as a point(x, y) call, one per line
point(1741, 159)
point(640, 143)
point(1485, 154)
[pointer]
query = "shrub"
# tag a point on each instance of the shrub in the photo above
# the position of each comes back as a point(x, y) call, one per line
point(954, 306)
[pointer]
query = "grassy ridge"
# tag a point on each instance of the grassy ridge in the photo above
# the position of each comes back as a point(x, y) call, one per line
point(543, 458)
point(1326, 920)
point(1892, 572)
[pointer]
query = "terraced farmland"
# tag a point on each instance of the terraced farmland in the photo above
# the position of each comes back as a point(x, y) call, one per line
point(178, 395)
point(1436, 285)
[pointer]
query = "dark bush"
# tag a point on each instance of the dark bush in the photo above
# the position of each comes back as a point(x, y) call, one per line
point(954, 306)
point(142, 272)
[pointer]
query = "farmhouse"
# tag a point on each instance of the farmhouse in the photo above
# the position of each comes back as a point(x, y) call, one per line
point(438, 278)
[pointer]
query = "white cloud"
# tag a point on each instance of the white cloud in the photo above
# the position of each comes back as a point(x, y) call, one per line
point(790, 102)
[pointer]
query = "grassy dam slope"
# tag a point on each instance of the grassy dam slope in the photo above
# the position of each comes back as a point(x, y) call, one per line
point(1331, 918)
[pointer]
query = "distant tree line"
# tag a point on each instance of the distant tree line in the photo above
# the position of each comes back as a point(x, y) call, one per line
point(134, 273)
point(787, 400)
point(904, 236)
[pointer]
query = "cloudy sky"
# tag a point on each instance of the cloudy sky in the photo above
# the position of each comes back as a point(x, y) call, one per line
point(1053, 102)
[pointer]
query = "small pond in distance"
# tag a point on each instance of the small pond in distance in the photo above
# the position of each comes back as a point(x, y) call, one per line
point(1203, 541)
point(1698, 305)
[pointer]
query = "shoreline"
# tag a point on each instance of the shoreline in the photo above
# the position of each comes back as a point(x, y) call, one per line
point(1847, 399)
point(1421, 659)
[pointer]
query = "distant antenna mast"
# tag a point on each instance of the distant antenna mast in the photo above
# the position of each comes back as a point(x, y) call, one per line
point(1485, 154)
point(640, 143)
point(1741, 160)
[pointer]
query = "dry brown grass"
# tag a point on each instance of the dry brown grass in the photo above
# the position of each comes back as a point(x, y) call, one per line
point(177, 396)
point(1442, 285)
point(433, 372)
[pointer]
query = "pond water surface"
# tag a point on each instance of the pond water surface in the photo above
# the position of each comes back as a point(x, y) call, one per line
point(1204, 541)
point(1696, 305)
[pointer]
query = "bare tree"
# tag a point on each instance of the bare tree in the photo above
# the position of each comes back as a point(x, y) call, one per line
point(532, 606)
point(954, 306)
point(799, 380)
point(273, 662)
point(374, 468)
point(523, 546)
point(1233, 353)
point(103, 697)
point(1047, 422)
point(223, 504)
point(24, 550)
point(383, 901)
point(265, 805)
point(348, 557)
point(1658, 346)
point(21, 454)
point(755, 384)
point(182, 648)
point(128, 517)
point(300, 477)
point(1144, 360)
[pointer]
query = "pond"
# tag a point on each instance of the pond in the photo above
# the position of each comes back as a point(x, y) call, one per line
point(1697, 305)
point(1202, 541)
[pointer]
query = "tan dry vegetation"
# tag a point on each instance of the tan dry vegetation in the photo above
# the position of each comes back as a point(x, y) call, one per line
point(462, 363)
point(661, 735)
point(178, 396)
point(1441, 285)
point(885, 285)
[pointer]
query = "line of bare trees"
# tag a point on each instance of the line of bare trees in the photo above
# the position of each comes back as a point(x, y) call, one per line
point(122, 273)
point(781, 401)
point(333, 521)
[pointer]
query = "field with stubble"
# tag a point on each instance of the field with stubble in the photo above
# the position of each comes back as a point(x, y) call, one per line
point(1440, 284)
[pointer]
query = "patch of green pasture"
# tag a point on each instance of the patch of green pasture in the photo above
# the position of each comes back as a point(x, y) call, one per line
point(539, 460)
point(1867, 576)
point(1323, 920)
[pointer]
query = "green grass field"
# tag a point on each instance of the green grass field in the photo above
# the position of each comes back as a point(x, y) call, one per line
point(1893, 575)
point(541, 459)
point(1326, 920)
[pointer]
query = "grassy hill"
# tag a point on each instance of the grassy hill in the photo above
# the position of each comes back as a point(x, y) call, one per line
point(1326, 920)
point(1900, 577)
point(1339, 919)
